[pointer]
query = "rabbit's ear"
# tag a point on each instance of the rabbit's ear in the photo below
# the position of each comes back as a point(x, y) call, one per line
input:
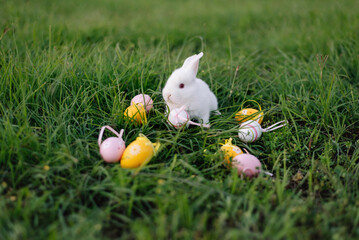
point(191, 63)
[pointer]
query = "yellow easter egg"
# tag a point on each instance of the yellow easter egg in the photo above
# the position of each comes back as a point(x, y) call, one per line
point(230, 151)
point(139, 152)
point(249, 114)
point(136, 112)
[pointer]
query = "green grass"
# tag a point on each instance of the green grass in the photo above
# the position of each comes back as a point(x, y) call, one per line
point(69, 67)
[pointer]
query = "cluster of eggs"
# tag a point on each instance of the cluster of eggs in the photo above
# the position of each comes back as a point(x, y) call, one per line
point(250, 119)
point(140, 105)
point(249, 131)
point(139, 152)
point(245, 163)
point(136, 154)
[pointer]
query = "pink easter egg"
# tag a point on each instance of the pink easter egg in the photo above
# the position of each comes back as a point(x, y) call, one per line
point(247, 165)
point(144, 99)
point(111, 149)
point(178, 117)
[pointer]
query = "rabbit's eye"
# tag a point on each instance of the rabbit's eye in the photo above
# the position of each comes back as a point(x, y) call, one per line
point(181, 85)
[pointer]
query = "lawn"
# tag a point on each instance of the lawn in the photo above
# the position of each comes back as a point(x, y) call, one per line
point(67, 68)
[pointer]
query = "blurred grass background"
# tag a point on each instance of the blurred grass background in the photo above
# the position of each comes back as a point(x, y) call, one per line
point(69, 67)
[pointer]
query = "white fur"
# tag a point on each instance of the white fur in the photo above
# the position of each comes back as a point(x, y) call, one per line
point(196, 95)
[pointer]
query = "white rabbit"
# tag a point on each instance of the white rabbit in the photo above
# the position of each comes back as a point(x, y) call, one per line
point(183, 88)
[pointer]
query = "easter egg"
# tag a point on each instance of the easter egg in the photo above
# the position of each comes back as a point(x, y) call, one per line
point(249, 114)
point(111, 149)
point(250, 131)
point(139, 152)
point(178, 117)
point(136, 113)
point(230, 151)
point(247, 165)
point(143, 99)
